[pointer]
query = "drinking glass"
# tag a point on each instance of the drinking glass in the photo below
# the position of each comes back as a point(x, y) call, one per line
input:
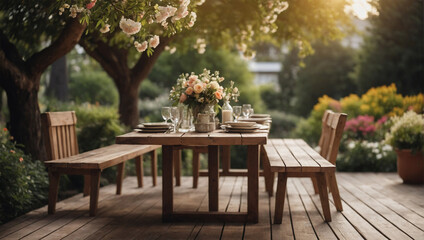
point(166, 113)
point(236, 112)
point(246, 110)
point(175, 116)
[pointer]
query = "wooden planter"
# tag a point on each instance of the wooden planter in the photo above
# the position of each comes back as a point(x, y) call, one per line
point(410, 166)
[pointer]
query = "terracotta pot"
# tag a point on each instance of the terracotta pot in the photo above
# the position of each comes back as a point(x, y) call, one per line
point(410, 166)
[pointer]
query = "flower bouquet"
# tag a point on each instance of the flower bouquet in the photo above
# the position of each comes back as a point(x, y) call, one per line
point(201, 93)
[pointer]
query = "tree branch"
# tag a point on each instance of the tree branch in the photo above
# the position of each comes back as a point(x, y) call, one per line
point(66, 41)
point(112, 59)
point(11, 63)
point(145, 64)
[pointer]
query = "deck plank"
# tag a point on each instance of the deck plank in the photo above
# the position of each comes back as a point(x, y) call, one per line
point(376, 206)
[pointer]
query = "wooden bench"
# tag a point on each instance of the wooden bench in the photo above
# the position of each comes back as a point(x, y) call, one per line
point(62, 150)
point(295, 158)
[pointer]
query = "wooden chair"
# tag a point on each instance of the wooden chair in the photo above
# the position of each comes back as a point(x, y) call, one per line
point(62, 151)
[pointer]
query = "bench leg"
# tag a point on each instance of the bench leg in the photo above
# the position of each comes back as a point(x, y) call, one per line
point(323, 195)
point(154, 166)
point(120, 177)
point(86, 190)
point(280, 196)
point(139, 170)
point(268, 175)
point(53, 189)
point(94, 191)
point(196, 167)
point(335, 191)
point(177, 167)
point(315, 184)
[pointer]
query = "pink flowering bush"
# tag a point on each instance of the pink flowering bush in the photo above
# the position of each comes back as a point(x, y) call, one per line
point(361, 127)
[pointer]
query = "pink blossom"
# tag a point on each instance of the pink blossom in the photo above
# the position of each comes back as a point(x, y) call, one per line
point(183, 97)
point(218, 95)
point(91, 4)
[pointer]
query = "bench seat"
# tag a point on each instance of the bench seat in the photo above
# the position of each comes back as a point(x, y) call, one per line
point(92, 163)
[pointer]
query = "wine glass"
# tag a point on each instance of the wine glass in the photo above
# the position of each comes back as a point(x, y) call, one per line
point(236, 112)
point(246, 110)
point(166, 113)
point(175, 116)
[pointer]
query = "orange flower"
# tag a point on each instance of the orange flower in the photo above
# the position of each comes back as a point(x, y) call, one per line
point(218, 95)
point(12, 151)
point(5, 129)
point(21, 159)
point(189, 91)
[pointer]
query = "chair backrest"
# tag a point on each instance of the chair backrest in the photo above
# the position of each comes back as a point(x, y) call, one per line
point(332, 134)
point(325, 133)
point(60, 135)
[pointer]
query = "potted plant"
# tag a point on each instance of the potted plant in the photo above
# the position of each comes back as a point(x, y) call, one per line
point(407, 138)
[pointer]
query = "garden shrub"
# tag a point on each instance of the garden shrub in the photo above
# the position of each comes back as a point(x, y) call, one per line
point(23, 181)
point(381, 101)
point(364, 156)
point(149, 90)
point(93, 87)
point(282, 124)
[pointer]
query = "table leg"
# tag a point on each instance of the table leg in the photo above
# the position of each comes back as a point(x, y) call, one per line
point(167, 183)
point(213, 168)
point(225, 159)
point(253, 183)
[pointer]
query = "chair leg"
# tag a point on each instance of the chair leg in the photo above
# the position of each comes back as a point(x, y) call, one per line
point(280, 196)
point(314, 183)
point(94, 191)
point(53, 189)
point(154, 164)
point(196, 167)
point(177, 167)
point(335, 191)
point(139, 170)
point(323, 195)
point(120, 177)
point(86, 190)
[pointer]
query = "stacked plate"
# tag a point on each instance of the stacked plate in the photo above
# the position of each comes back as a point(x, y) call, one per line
point(153, 127)
point(241, 127)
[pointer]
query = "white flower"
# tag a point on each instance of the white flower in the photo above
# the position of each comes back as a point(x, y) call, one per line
point(214, 85)
point(351, 145)
point(154, 41)
point(140, 47)
point(379, 156)
point(129, 26)
point(200, 2)
point(105, 28)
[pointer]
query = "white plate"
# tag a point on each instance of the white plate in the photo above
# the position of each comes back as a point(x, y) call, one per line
point(240, 130)
point(154, 125)
point(150, 130)
point(255, 120)
point(256, 126)
point(256, 115)
point(240, 124)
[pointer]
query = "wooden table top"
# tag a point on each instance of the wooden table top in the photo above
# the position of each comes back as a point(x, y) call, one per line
point(217, 137)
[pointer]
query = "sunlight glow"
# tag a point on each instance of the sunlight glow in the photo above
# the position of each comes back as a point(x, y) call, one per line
point(360, 8)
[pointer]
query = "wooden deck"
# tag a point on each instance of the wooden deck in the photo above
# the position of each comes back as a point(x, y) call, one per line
point(376, 206)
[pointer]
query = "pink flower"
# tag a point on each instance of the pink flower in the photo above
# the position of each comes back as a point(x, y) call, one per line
point(91, 4)
point(189, 91)
point(183, 97)
point(198, 88)
point(21, 159)
point(218, 95)
point(154, 41)
point(129, 26)
point(382, 120)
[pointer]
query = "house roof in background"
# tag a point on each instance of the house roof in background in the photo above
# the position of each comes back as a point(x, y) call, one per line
point(265, 67)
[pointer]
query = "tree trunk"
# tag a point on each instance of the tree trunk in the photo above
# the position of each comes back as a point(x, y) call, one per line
point(25, 121)
point(58, 86)
point(128, 104)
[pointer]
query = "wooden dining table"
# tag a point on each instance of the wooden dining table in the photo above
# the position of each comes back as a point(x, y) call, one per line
point(213, 140)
